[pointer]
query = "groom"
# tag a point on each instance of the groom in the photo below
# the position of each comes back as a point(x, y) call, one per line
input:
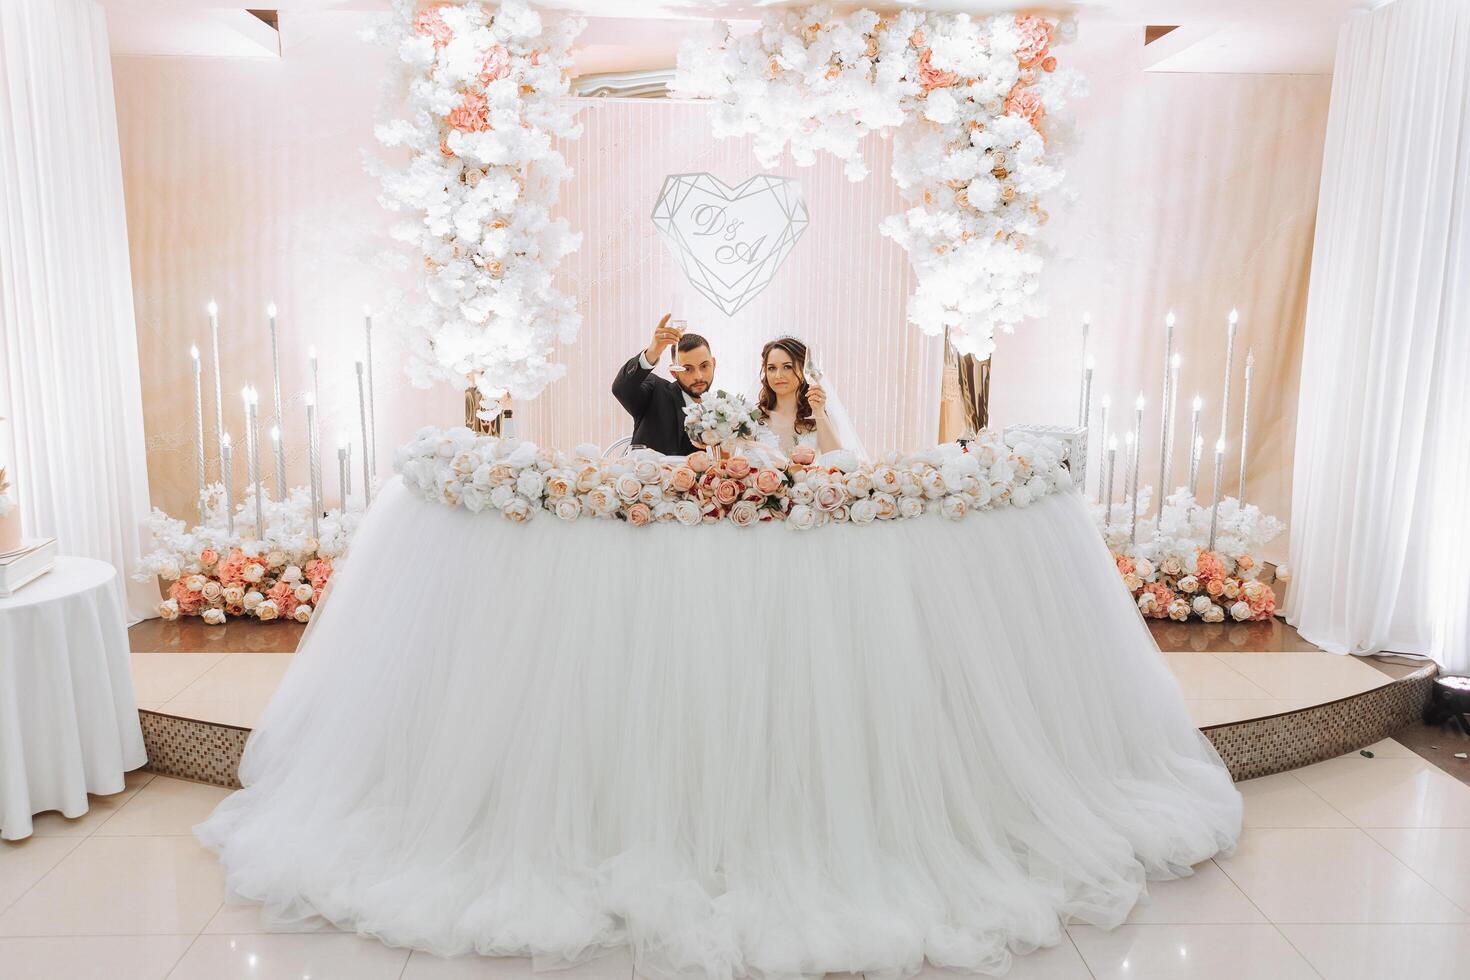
point(657, 406)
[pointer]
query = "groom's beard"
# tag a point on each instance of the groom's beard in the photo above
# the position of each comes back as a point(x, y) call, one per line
point(697, 389)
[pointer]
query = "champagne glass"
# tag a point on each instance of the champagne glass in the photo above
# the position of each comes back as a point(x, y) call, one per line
point(674, 365)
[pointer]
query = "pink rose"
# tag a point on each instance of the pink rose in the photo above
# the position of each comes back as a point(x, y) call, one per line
point(472, 115)
point(931, 78)
point(640, 514)
point(495, 66)
point(829, 497)
point(768, 481)
point(683, 479)
point(698, 461)
point(744, 513)
point(738, 467)
point(431, 25)
point(803, 455)
point(1024, 102)
point(209, 556)
point(1245, 563)
point(727, 492)
point(1033, 37)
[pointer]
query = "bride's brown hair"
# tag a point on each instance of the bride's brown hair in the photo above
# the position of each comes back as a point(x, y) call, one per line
point(797, 350)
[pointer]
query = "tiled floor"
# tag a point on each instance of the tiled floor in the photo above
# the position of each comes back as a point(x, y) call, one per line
point(1353, 869)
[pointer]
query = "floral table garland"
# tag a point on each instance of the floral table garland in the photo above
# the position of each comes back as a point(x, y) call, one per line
point(213, 573)
point(1172, 571)
point(974, 103)
point(485, 83)
point(519, 480)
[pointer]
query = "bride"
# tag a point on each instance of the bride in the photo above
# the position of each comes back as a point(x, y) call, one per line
point(793, 408)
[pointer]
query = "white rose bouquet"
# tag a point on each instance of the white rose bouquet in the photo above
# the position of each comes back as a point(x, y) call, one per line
point(719, 420)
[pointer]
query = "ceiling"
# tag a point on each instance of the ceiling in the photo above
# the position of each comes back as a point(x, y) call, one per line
point(1228, 36)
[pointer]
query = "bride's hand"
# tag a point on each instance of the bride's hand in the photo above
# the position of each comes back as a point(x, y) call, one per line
point(817, 399)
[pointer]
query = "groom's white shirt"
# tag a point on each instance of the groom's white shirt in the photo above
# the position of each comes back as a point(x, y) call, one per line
point(643, 363)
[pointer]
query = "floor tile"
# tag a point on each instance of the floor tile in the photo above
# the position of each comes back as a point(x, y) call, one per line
point(1441, 857)
point(1210, 711)
point(1335, 876)
point(289, 957)
point(238, 676)
point(242, 712)
point(100, 809)
point(25, 862)
point(165, 806)
point(160, 676)
point(1206, 897)
point(1282, 800)
point(243, 919)
point(1378, 952)
point(1390, 791)
point(1190, 952)
point(1060, 962)
point(91, 957)
point(1205, 676)
point(111, 886)
point(1318, 677)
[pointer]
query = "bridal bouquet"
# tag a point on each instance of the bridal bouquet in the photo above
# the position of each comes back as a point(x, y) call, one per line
point(213, 573)
point(483, 473)
point(719, 420)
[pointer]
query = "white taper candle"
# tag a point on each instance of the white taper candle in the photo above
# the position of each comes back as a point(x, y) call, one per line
point(199, 427)
point(1082, 399)
point(1137, 453)
point(1108, 500)
point(219, 397)
point(370, 442)
point(1245, 419)
point(1215, 507)
point(1229, 362)
point(312, 464)
point(367, 476)
point(1102, 428)
point(227, 477)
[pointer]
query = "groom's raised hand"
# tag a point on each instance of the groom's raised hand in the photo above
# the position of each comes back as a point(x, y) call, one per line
point(663, 336)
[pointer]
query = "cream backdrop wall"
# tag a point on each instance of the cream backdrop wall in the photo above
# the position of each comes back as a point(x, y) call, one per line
point(244, 182)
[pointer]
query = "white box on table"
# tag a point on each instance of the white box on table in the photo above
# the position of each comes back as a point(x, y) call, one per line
point(35, 558)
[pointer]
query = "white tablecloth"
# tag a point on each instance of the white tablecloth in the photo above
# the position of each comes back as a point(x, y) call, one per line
point(68, 720)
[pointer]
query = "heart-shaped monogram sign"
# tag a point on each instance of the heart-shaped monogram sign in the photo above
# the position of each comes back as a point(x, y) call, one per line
point(730, 240)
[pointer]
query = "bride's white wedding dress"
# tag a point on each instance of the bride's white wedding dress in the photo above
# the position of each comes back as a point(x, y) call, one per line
point(937, 739)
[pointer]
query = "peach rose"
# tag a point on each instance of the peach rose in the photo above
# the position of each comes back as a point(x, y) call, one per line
point(208, 557)
point(494, 66)
point(683, 479)
point(931, 78)
point(803, 455)
point(767, 481)
point(640, 514)
point(738, 467)
point(1024, 102)
point(698, 461)
point(727, 492)
point(1215, 587)
point(1245, 563)
point(472, 115)
point(1033, 37)
point(431, 25)
point(212, 591)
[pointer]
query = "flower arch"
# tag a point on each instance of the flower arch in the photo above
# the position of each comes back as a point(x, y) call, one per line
point(973, 104)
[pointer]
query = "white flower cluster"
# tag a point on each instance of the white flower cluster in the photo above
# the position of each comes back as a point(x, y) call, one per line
point(482, 473)
point(971, 101)
point(719, 419)
point(1185, 527)
point(484, 86)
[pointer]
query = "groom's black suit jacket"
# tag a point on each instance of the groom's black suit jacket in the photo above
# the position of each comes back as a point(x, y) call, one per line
point(657, 407)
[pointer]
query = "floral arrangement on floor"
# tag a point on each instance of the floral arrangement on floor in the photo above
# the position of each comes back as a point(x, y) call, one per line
point(484, 84)
point(519, 480)
point(974, 104)
point(719, 420)
point(213, 573)
point(1172, 571)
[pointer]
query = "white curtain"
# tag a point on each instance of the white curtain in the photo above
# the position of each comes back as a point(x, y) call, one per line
point(69, 381)
point(1382, 472)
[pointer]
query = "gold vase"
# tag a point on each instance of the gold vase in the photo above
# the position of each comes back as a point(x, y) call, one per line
point(965, 406)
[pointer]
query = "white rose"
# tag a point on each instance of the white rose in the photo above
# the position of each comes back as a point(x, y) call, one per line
point(302, 613)
point(934, 484)
point(568, 508)
point(954, 506)
point(212, 590)
point(1214, 614)
point(214, 617)
point(1145, 569)
point(1179, 610)
point(864, 511)
point(1201, 604)
point(473, 499)
point(802, 494)
point(500, 496)
point(886, 479)
point(647, 471)
point(686, 512)
point(801, 517)
point(1189, 584)
point(518, 510)
point(1283, 573)
point(291, 575)
point(275, 559)
point(530, 484)
point(1021, 496)
point(910, 507)
point(979, 493)
point(196, 583)
point(169, 570)
point(651, 494)
point(169, 609)
point(252, 599)
point(253, 573)
point(267, 610)
point(1254, 590)
point(1241, 611)
point(303, 592)
point(234, 595)
point(628, 486)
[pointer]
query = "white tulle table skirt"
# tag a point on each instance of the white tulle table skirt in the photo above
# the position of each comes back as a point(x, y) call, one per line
point(740, 751)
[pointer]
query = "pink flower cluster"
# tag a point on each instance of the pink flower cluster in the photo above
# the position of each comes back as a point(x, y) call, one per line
point(1212, 587)
point(265, 586)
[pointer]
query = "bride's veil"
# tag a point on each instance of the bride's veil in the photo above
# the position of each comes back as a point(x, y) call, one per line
point(842, 425)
